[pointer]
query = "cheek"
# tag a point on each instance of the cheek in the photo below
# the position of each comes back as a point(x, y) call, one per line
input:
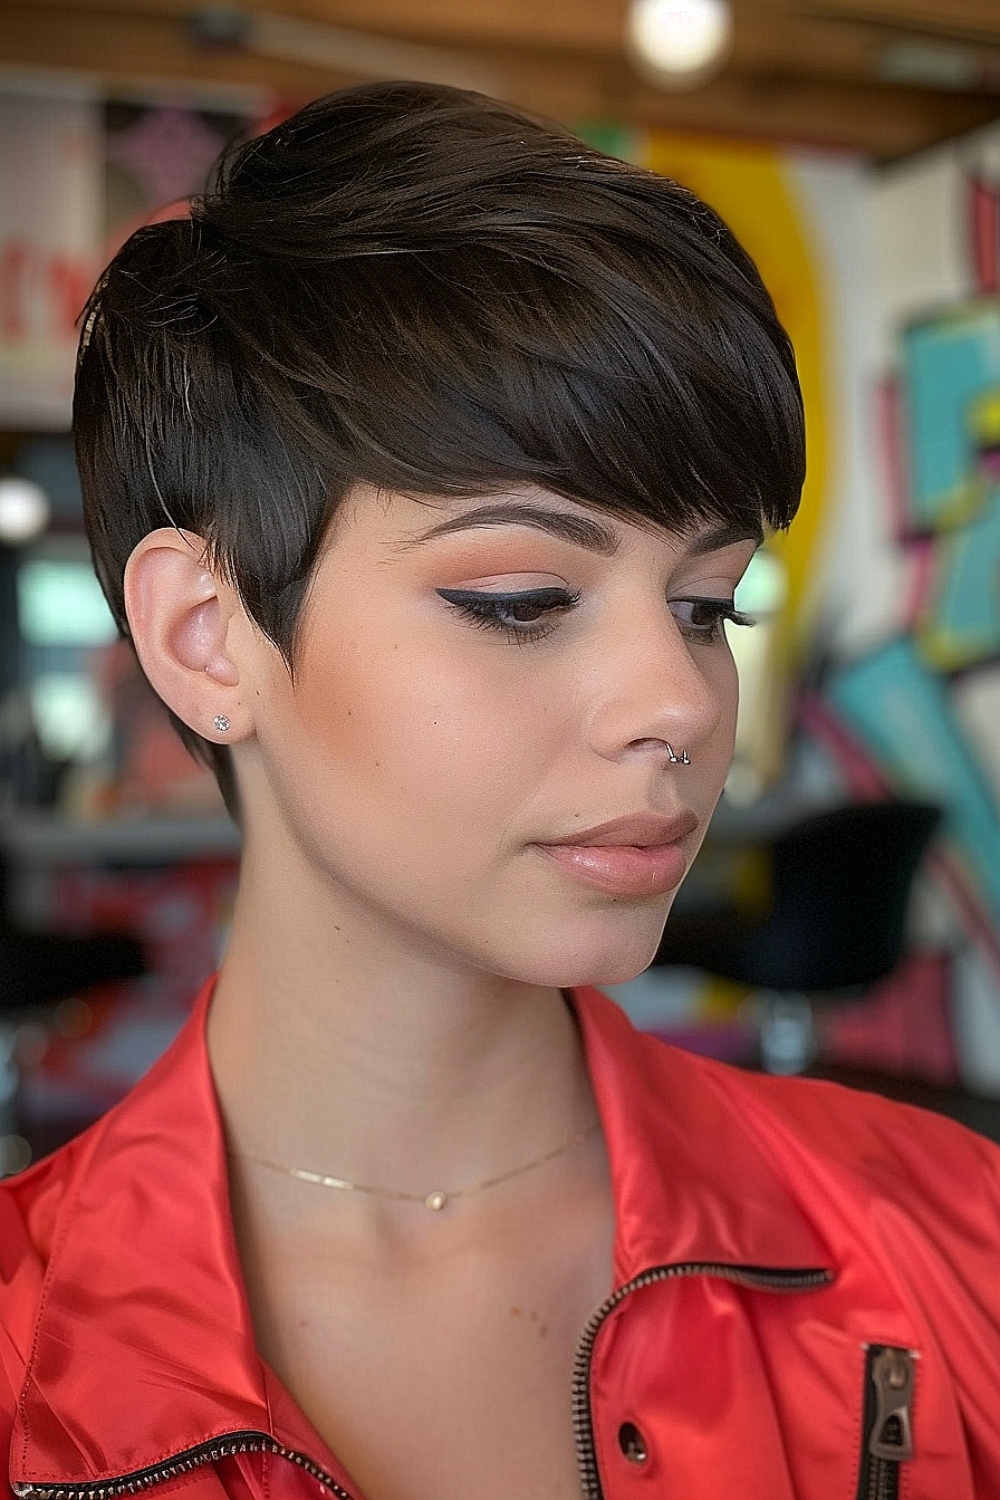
point(409, 723)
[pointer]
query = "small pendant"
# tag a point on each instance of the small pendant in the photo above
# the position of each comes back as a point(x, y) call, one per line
point(436, 1201)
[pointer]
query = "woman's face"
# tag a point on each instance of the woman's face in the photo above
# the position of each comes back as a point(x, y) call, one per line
point(481, 688)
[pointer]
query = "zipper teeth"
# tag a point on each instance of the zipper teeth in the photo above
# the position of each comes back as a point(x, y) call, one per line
point(884, 1481)
point(583, 1427)
point(183, 1463)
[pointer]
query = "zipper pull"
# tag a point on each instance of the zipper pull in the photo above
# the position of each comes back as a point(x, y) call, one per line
point(892, 1431)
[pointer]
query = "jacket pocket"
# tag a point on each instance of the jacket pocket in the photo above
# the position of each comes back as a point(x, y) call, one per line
point(887, 1429)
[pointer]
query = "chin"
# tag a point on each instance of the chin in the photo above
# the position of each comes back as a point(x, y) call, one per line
point(610, 950)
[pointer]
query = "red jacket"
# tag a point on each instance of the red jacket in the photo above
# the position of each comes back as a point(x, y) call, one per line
point(807, 1294)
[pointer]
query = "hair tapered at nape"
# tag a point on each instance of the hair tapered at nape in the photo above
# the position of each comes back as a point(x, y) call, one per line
point(422, 289)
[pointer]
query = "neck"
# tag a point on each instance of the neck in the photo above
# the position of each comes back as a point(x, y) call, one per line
point(340, 1047)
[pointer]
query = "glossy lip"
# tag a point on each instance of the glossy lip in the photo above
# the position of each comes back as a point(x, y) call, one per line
point(639, 856)
point(638, 830)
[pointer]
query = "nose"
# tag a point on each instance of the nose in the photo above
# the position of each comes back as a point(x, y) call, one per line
point(652, 691)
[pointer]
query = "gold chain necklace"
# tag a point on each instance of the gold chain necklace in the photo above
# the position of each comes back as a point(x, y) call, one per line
point(435, 1200)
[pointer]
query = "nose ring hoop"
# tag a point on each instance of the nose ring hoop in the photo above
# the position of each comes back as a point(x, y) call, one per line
point(677, 760)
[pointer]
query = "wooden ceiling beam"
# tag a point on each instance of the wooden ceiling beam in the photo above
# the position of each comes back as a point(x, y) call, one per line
point(973, 20)
point(768, 33)
point(885, 122)
point(878, 121)
point(578, 25)
point(142, 47)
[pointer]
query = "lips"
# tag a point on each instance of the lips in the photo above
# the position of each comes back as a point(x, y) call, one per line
point(637, 856)
point(640, 830)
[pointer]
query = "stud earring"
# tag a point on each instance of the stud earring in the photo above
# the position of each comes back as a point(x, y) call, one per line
point(677, 760)
point(221, 723)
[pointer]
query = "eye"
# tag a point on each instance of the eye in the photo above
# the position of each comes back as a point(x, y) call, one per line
point(702, 619)
point(525, 616)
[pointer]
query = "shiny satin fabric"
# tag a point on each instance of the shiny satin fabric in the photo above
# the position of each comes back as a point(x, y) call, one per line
point(125, 1336)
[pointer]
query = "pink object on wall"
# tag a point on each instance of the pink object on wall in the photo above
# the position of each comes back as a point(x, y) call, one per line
point(903, 1026)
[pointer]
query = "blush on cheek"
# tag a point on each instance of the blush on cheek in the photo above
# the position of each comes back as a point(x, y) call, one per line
point(375, 726)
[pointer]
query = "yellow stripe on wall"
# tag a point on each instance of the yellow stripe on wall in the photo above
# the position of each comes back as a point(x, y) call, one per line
point(749, 186)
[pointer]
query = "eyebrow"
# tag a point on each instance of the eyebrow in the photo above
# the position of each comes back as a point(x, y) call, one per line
point(584, 531)
point(726, 535)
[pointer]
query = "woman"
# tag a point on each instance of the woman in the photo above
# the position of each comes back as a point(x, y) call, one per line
point(421, 467)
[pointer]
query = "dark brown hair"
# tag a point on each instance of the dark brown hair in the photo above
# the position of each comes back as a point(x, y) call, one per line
point(423, 289)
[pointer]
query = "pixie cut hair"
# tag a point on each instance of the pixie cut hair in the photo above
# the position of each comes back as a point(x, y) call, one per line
point(423, 289)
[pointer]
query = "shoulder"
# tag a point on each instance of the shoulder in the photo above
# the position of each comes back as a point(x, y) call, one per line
point(882, 1141)
point(826, 1144)
point(880, 1162)
point(861, 1131)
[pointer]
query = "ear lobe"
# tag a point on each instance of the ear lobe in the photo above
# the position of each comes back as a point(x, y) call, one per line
point(180, 616)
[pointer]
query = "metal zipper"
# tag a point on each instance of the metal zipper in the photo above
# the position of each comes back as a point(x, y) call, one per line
point(759, 1277)
point(888, 1421)
point(181, 1463)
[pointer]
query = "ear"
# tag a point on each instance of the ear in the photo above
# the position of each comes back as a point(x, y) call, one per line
point(182, 619)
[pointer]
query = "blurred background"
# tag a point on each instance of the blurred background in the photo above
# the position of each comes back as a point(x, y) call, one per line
point(844, 917)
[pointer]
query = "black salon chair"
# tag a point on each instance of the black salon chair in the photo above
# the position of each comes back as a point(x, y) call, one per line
point(836, 922)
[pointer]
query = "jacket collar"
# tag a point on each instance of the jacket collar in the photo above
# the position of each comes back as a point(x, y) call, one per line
point(690, 1182)
point(144, 1346)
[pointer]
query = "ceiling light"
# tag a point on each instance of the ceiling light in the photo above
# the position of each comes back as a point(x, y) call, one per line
point(24, 511)
point(678, 42)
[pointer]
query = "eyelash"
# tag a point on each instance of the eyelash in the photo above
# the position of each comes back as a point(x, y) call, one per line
point(488, 612)
point(718, 612)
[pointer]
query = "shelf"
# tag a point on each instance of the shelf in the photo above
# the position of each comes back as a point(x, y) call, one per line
point(38, 838)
